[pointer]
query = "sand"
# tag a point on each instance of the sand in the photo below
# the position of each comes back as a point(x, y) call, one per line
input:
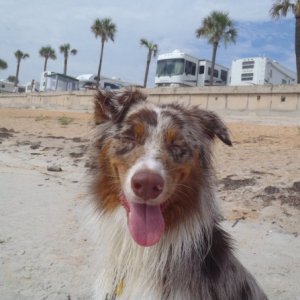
point(46, 252)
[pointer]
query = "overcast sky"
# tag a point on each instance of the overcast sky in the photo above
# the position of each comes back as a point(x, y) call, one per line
point(29, 25)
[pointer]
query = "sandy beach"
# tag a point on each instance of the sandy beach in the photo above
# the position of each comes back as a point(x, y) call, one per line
point(46, 251)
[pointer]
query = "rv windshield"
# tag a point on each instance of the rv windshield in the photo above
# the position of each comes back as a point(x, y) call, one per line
point(170, 67)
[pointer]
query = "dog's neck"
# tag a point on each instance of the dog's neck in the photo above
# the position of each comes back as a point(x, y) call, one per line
point(151, 268)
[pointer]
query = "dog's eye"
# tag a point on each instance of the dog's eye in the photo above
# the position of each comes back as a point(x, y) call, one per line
point(125, 144)
point(127, 139)
point(178, 152)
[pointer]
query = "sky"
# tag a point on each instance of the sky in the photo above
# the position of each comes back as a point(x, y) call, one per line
point(30, 25)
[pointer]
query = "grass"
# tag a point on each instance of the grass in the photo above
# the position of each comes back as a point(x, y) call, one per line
point(41, 118)
point(64, 120)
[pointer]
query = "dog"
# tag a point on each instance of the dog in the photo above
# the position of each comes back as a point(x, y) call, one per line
point(154, 195)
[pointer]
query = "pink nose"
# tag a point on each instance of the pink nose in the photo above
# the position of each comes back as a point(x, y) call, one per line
point(147, 184)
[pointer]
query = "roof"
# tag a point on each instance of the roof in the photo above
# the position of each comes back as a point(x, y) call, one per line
point(54, 74)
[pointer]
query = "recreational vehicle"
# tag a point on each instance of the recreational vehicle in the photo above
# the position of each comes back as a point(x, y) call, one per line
point(260, 70)
point(9, 87)
point(180, 69)
point(88, 82)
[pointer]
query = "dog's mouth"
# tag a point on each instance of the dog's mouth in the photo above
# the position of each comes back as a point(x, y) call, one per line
point(145, 222)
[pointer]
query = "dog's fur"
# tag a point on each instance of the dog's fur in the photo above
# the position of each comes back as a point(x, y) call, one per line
point(193, 257)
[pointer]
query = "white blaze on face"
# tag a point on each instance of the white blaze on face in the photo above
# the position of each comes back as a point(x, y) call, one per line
point(145, 219)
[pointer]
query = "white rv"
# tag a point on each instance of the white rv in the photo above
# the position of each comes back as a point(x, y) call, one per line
point(180, 69)
point(88, 82)
point(260, 70)
point(7, 87)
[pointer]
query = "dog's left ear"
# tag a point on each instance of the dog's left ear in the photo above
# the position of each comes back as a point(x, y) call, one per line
point(113, 106)
point(213, 125)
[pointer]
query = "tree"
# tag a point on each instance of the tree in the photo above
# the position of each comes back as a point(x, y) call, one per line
point(19, 56)
point(48, 53)
point(280, 9)
point(152, 51)
point(11, 78)
point(217, 28)
point(3, 64)
point(106, 30)
point(66, 50)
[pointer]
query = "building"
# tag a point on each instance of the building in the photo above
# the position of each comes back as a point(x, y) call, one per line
point(180, 69)
point(260, 70)
point(52, 81)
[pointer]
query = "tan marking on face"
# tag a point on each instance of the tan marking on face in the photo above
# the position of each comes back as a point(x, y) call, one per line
point(171, 135)
point(183, 200)
point(107, 184)
point(139, 131)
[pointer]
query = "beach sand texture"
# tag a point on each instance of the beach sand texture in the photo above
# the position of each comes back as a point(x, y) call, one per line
point(46, 252)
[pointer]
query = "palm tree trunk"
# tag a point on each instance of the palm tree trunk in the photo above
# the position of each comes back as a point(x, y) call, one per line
point(213, 62)
point(100, 65)
point(45, 64)
point(17, 72)
point(147, 68)
point(65, 64)
point(297, 47)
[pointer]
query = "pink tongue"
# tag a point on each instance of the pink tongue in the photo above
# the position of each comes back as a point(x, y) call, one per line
point(146, 223)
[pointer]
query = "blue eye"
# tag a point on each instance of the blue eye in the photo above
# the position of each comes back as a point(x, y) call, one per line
point(179, 152)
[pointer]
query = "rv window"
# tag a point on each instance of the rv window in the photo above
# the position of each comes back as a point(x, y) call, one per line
point(110, 86)
point(248, 64)
point(247, 77)
point(224, 75)
point(201, 70)
point(190, 68)
point(170, 67)
point(216, 72)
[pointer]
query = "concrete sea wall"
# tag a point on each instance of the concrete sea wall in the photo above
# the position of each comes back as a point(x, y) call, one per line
point(279, 99)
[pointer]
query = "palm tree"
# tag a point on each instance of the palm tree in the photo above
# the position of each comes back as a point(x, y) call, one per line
point(152, 51)
point(66, 49)
point(280, 9)
point(11, 78)
point(47, 52)
point(217, 27)
point(3, 64)
point(19, 56)
point(106, 30)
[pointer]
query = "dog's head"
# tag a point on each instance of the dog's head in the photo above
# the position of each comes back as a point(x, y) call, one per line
point(153, 160)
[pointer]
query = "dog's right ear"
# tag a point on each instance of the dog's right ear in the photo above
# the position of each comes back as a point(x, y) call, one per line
point(104, 107)
point(113, 106)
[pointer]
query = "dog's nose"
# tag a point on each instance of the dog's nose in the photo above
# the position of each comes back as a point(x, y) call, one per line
point(147, 184)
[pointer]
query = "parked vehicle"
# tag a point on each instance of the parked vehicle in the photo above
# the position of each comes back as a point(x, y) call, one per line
point(88, 81)
point(260, 70)
point(180, 69)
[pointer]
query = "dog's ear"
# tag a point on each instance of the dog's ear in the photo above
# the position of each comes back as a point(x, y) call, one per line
point(213, 126)
point(113, 106)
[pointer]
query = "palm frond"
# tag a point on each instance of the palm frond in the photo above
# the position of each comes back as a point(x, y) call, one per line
point(216, 27)
point(3, 64)
point(104, 28)
point(281, 8)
